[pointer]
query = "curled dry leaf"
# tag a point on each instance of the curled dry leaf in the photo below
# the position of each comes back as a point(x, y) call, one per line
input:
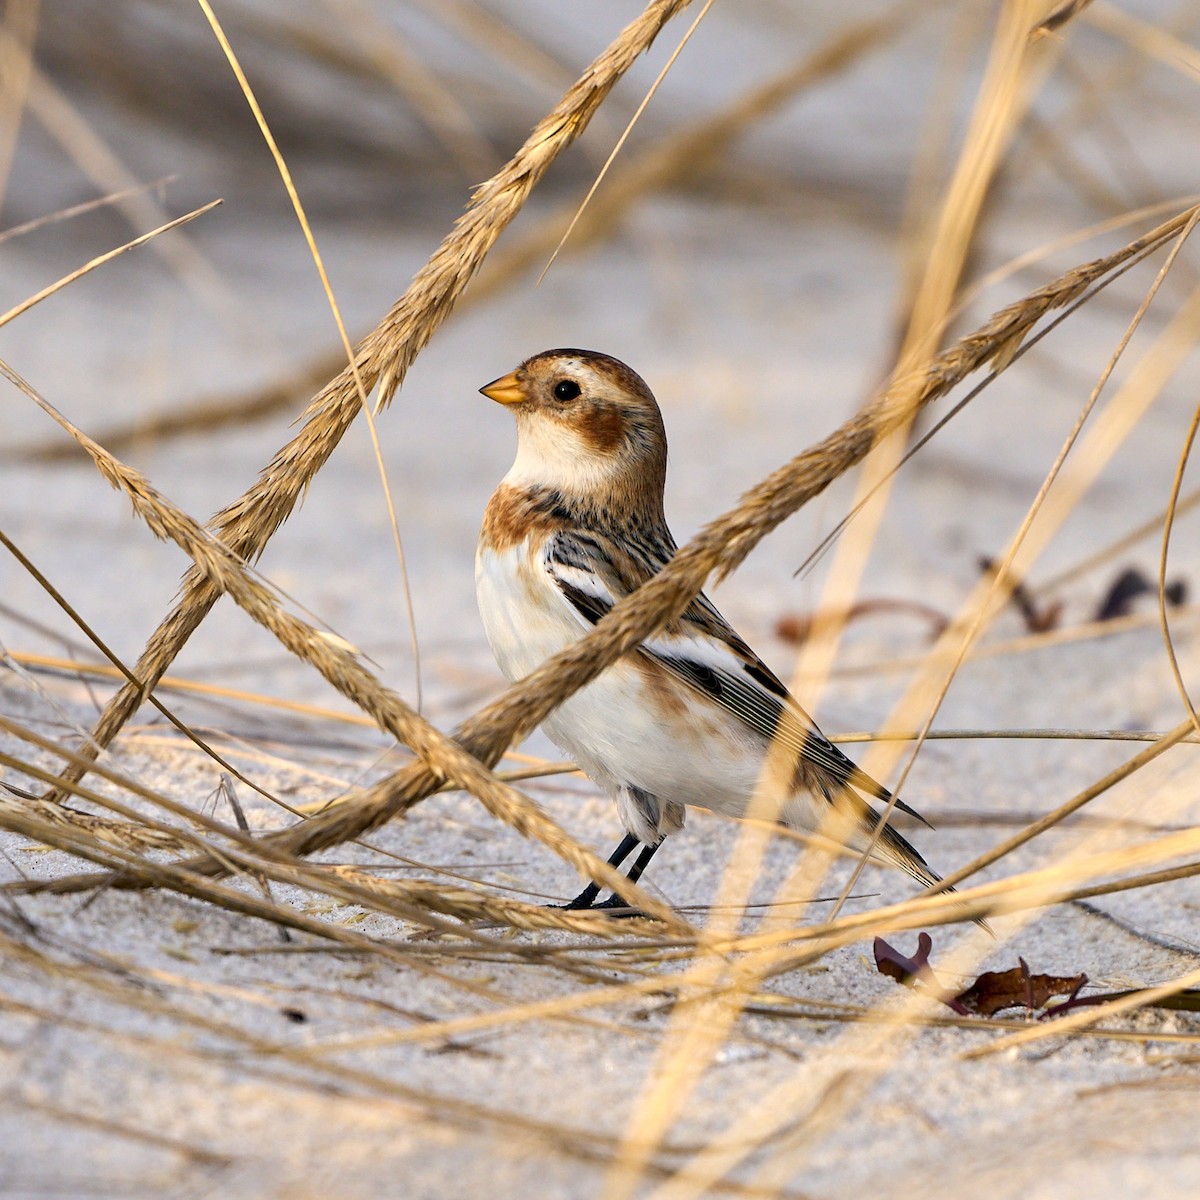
point(1017, 987)
point(992, 992)
point(915, 972)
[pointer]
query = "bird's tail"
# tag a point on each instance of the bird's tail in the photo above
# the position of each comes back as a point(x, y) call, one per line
point(896, 851)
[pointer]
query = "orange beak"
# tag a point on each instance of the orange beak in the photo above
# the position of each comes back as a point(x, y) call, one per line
point(505, 390)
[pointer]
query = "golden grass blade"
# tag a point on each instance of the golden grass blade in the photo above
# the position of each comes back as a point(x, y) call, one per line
point(719, 548)
point(310, 239)
point(136, 832)
point(1168, 525)
point(384, 356)
point(1085, 631)
point(1114, 549)
point(675, 160)
point(87, 206)
point(101, 259)
point(992, 592)
point(637, 115)
point(67, 126)
point(1003, 97)
point(954, 735)
point(1177, 735)
point(125, 989)
point(1032, 257)
point(124, 673)
point(696, 1033)
point(537, 766)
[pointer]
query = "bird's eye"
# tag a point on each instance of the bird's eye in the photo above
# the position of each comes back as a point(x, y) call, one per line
point(566, 389)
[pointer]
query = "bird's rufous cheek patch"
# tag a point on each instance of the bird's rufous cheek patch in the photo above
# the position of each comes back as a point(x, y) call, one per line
point(601, 427)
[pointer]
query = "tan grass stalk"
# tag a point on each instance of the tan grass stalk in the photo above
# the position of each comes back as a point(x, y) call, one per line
point(1168, 526)
point(101, 259)
point(1003, 98)
point(686, 155)
point(807, 1106)
point(78, 210)
point(310, 238)
point(616, 150)
point(1083, 632)
point(75, 832)
point(125, 673)
point(721, 545)
point(118, 983)
point(699, 1031)
point(1144, 385)
point(382, 359)
point(719, 548)
point(134, 835)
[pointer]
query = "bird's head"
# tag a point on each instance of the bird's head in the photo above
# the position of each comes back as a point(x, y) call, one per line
point(587, 426)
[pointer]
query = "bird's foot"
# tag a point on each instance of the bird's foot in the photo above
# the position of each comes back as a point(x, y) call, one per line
point(615, 905)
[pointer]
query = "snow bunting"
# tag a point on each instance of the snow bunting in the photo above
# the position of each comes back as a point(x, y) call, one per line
point(686, 718)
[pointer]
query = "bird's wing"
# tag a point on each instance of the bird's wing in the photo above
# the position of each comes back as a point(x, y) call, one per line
point(593, 572)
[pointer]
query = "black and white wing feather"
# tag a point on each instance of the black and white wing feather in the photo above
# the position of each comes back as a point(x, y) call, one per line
point(702, 650)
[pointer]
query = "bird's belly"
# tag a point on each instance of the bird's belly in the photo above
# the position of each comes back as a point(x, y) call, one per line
point(636, 723)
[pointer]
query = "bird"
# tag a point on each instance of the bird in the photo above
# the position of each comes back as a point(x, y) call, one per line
point(689, 715)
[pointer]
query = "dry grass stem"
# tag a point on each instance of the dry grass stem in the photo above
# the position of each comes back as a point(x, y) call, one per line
point(1168, 526)
point(641, 108)
point(310, 239)
point(926, 695)
point(101, 259)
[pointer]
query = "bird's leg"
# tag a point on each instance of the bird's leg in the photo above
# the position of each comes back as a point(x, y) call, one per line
point(634, 874)
point(616, 901)
point(587, 898)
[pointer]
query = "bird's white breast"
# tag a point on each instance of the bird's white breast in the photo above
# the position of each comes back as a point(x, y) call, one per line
point(632, 725)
